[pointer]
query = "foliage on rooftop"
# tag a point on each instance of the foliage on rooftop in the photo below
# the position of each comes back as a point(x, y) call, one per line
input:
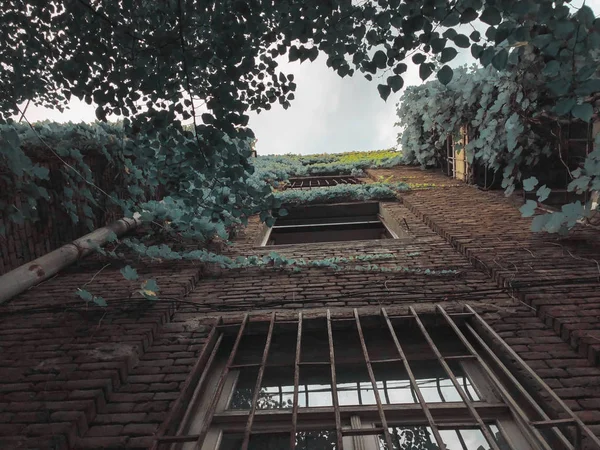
point(341, 193)
point(277, 168)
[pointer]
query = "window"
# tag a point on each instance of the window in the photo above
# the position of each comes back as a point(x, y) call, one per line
point(376, 382)
point(329, 223)
point(317, 182)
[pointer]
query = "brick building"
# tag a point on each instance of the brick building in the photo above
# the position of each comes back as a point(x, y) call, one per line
point(470, 330)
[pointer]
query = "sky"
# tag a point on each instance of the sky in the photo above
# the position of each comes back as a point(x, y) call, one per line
point(329, 114)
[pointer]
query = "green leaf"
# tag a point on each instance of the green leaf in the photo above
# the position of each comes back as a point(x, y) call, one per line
point(585, 15)
point(461, 41)
point(419, 58)
point(425, 70)
point(100, 114)
point(380, 59)
point(499, 61)
point(585, 111)
point(111, 236)
point(437, 44)
point(491, 16)
point(552, 68)
point(294, 53)
point(448, 54)
point(270, 221)
point(384, 91)
point(282, 212)
point(100, 301)
point(451, 20)
point(445, 74)
point(539, 222)
point(528, 209)
point(564, 106)
point(129, 273)
point(530, 183)
point(150, 289)
point(395, 82)
point(543, 193)
point(40, 172)
point(85, 295)
point(468, 15)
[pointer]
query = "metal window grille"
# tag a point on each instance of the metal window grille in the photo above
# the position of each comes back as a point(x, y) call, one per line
point(344, 426)
point(318, 182)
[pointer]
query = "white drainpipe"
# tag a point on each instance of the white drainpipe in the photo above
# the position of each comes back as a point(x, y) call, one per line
point(44, 267)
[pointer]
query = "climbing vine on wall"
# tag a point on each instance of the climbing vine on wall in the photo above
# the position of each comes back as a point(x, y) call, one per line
point(510, 117)
point(211, 62)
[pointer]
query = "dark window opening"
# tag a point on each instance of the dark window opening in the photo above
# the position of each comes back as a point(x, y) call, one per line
point(574, 142)
point(329, 223)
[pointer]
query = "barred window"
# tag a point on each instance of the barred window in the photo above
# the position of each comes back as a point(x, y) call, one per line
point(368, 382)
point(318, 182)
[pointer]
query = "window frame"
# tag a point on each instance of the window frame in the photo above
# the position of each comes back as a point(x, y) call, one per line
point(428, 414)
point(380, 217)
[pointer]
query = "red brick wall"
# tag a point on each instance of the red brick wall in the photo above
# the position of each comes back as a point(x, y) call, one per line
point(63, 363)
point(28, 241)
point(91, 377)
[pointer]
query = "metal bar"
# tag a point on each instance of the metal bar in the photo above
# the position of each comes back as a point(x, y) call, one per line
point(387, 360)
point(336, 406)
point(460, 357)
point(200, 385)
point(493, 378)
point(326, 224)
point(296, 382)
point(259, 377)
point(280, 391)
point(466, 387)
point(461, 314)
point(520, 388)
point(244, 366)
point(361, 336)
point(175, 439)
point(413, 382)
point(201, 369)
point(552, 423)
point(462, 441)
point(484, 429)
point(385, 391)
point(405, 412)
point(363, 431)
point(439, 389)
point(215, 400)
point(511, 377)
point(360, 402)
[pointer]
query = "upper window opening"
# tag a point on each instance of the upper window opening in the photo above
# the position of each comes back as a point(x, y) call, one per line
point(317, 182)
point(329, 223)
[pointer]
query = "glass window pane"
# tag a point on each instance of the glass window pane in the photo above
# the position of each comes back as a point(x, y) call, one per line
point(354, 385)
point(243, 390)
point(421, 438)
point(305, 440)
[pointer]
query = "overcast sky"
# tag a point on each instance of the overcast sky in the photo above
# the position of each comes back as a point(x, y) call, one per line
point(329, 114)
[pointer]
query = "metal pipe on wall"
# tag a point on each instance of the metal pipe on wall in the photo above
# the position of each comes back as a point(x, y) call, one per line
point(44, 267)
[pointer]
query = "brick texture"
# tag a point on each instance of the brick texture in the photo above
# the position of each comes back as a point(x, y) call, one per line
point(84, 377)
